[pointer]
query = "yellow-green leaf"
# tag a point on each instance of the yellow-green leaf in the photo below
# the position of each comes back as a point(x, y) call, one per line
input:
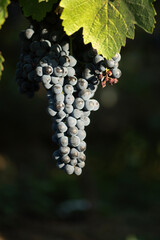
point(1, 64)
point(3, 11)
point(107, 23)
point(43, 1)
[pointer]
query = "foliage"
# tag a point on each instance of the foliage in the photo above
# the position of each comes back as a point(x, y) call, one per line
point(106, 24)
point(3, 11)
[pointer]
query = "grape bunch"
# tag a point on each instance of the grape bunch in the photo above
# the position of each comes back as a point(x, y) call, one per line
point(70, 87)
point(69, 104)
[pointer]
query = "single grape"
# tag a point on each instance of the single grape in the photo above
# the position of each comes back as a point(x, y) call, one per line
point(73, 162)
point(46, 79)
point(61, 81)
point(89, 105)
point(57, 88)
point(71, 72)
point(59, 106)
point(74, 153)
point(82, 146)
point(72, 80)
point(110, 63)
point(64, 141)
point(62, 127)
point(69, 169)
point(56, 155)
point(102, 68)
point(66, 159)
point(68, 89)
point(64, 150)
point(60, 165)
point(59, 97)
point(81, 164)
point(116, 73)
point(82, 84)
point(44, 31)
point(60, 135)
point(86, 113)
point(48, 70)
point(77, 113)
point(39, 71)
point(43, 63)
point(117, 57)
point(81, 134)
point(64, 61)
point(48, 85)
point(85, 94)
point(82, 156)
point(86, 121)
point(80, 124)
point(98, 59)
point(72, 61)
point(74, 141)
point(51, 111)
point(116, 65)
point(68, 108)
point(73, 131)
point(96, 105)
point(55, 80)
point(79, 103)
point(61, 114)
point(58, 71)
point(87, 74)
point(65, 72)
point(46, 44)
point(78, 171)
point(69, 99)
point(71, 121)
point(65, 46)
point(29, 33)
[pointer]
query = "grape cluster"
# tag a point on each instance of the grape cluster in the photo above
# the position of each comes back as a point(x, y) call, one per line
point(70, 88)
point(69, 104)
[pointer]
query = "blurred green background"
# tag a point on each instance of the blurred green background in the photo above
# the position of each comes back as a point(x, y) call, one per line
point(118, 195)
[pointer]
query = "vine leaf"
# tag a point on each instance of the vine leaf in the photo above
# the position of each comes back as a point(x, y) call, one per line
point(37, 8)
point(107, 23)
point(42, 1)
point(1, 64)
point(3, 11)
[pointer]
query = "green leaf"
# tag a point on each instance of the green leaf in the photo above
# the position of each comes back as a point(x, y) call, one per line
point(3, 11)
point(107, 23)
point(37, 8)
point(1, 64)
point(42, 1)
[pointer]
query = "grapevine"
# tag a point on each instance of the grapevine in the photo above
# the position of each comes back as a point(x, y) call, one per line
point(70, 68)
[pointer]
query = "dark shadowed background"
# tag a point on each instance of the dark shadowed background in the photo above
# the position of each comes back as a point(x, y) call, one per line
point(118, 195)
